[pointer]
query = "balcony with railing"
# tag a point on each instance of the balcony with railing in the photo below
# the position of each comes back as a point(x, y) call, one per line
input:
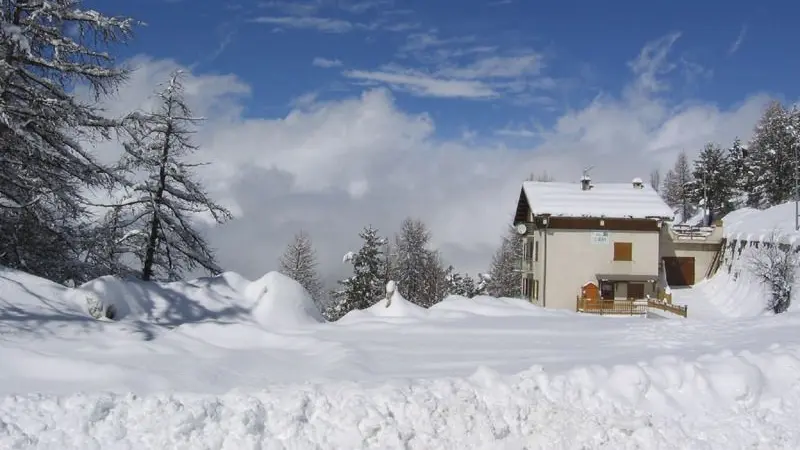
point(696, 234)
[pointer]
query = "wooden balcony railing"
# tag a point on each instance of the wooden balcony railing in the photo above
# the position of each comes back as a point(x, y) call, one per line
point(630, 307)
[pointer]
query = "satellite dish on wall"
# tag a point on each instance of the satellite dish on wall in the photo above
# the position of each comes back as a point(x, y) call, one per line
point(521, 228)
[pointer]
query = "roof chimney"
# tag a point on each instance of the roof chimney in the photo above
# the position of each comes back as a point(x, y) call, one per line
point(638, 183)
point(586, 182)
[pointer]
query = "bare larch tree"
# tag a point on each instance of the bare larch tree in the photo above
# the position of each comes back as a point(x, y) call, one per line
point(155, 217)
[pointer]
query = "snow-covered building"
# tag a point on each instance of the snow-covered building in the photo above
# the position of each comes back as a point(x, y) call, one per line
point(591, 241)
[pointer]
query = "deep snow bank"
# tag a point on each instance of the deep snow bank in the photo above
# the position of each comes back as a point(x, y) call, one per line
point(24, 296)
point(721, 401)
point(273, 301)
point(168, 304)
point(395, 307)
point(748, 224)
point(281, 302)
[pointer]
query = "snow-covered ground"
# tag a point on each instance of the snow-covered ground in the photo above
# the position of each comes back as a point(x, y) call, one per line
point(230, 363)
point(227, 363)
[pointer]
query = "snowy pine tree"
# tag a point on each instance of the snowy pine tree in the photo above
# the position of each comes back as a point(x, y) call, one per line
point(366, 286)
point(463, 285)
point(712, 182)
point(504, 279)
point(44, 167)
point(299, 262)
point(676, 186)
point(435, 282)
point(771, 158)
point(413, 263)
point(655, 180)
point(156, 213)
point(742, 177)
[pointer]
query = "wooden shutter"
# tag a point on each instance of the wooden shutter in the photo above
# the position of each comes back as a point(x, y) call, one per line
point(623, 251)
point(636, 291)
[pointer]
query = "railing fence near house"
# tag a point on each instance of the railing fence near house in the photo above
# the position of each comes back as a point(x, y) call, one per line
point(630, 307)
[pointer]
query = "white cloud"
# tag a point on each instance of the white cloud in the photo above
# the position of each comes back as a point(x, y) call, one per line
point(425, 85)
point(486, 77)
point(652, 64)
point(324, 24)
point(294, 7)
point(362, 6)
point(326, 63)
point(497, 67)
point(739, 40)
point(334, 167)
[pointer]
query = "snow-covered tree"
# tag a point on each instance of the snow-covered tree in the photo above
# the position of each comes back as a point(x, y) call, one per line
point(463, 285)
point(435, 282)
point(772, 157)
point(367, 285)
point(299, 262)
point(740, 173)
point(712, 182)
point(49, 48)
point(543, 176)
point(776, 266)
point(413, 261)
point(676, 185)
point(157, 211)
point(504, 279)
point(655, 180)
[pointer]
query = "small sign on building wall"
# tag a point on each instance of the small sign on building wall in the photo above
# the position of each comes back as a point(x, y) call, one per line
point(600, 237)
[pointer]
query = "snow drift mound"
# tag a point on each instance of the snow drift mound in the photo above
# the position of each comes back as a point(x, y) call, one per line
point(27, 297)
point(168, 304)
point(394, 305)
point(281, 302)
point(484, 305)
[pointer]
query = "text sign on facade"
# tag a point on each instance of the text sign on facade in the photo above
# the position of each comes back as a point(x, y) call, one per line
point(600, 237)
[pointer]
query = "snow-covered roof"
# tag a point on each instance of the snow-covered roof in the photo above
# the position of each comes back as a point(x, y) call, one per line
point(612, 200)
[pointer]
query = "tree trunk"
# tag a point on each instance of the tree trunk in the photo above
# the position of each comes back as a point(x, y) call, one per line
point(152, 242)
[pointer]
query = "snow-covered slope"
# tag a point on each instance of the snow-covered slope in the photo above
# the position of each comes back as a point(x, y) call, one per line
point(734, 291)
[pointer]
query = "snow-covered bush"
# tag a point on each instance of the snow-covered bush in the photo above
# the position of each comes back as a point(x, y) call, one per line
point(775, 264)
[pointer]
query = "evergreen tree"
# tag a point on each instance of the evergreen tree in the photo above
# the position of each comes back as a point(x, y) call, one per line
point(772, 158)
point(299, 262)
point(156, 213)
point(366, 286)
point(463, 285)
point(413, 261)
point(712, 182)
point(504, 278)
point(676, 186)
point(742, 177)
point(44, 168)
point(655, 180)
point(435, 281)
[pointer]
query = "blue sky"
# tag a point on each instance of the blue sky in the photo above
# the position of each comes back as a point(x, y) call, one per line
point(576, 49)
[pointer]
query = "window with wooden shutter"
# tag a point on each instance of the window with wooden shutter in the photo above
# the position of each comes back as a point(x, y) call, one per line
point(536, 252)
point(623, 251)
